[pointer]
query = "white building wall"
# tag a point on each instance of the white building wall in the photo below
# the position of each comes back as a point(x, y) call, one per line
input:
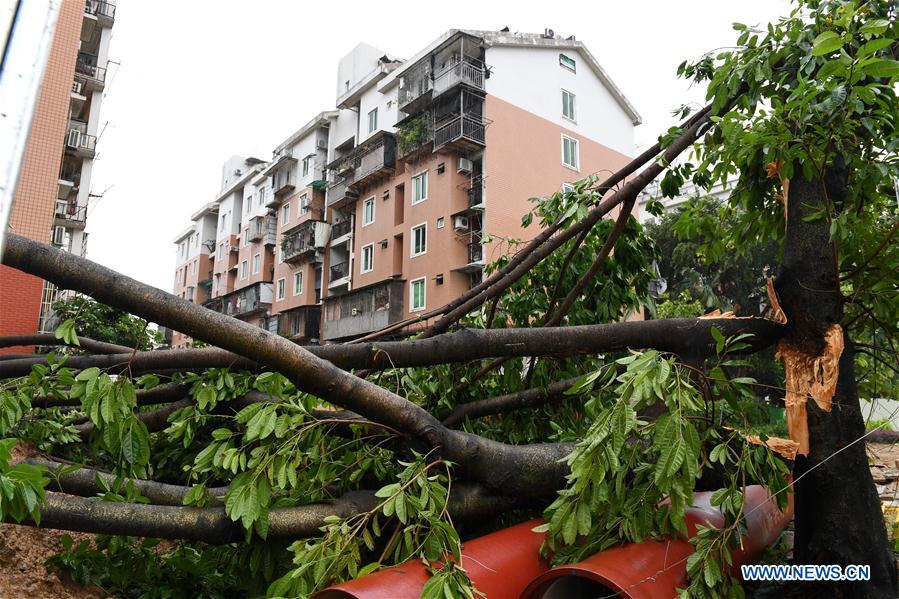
point(229, 214)
point(342, 128)
point(387, 111)
point(532, 79)
point(355, 66)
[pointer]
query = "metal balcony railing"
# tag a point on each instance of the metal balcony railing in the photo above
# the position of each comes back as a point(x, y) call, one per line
point(464, 128)
point(301, 241)
point(340, 271)
point(86, 65)
point(341, 228)
point(99, 8)
point(338, 191)
point(375, 159)
point(463, 71)
point(72, 213)
point(416, 83)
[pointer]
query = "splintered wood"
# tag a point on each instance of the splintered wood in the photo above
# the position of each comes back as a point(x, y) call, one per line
point(785, 447)
point(814, 376)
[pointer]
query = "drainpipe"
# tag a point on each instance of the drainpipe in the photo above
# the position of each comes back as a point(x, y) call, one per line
point(655, 569)
point(501, 565)
point(506, 564)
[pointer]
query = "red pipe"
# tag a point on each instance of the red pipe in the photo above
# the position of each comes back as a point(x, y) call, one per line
point(506, 564)
point(500, 565)
point(655, 569)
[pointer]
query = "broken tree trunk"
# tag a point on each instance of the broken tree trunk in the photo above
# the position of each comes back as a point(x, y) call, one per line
point(838, 513)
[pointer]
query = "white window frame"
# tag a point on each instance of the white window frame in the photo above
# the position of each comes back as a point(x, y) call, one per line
point(424, 294)
point(423, 175)
point(567, 63)
point(305, 205)
point(369, 202)
point(424, 227)
point(244, 268)
point(281, 288)
point(573, 116)
point(257, 263)
point(285, 213)
point(577, 151)
point(298, 283)
point(373, 120)
point(567, 187)
point(305, 166)
point(371, 258)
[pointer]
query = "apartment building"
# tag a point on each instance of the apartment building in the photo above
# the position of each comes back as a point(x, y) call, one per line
point(392, 203)
point(53, 193)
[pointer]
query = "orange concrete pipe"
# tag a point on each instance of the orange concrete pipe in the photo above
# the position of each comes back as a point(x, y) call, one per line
point(654, 569)
point(500, 565)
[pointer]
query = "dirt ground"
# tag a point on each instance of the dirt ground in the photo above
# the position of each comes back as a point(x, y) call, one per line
point(23, 549)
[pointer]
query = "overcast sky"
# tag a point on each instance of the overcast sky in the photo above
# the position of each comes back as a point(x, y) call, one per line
point(199, 81)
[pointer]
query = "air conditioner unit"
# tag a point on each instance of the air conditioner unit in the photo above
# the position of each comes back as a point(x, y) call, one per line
point(549, 33)
point(233, 248)
point(464, 165)
point(321, 144)
point(74, 138)
point(460, 223)
point(355, 311)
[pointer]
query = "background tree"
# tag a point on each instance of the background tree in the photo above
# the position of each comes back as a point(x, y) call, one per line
point(105, 323)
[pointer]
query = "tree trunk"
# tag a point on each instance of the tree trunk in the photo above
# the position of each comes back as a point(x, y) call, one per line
point(838, 513)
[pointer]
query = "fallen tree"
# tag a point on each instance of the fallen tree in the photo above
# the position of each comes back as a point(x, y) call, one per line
point(604, 425)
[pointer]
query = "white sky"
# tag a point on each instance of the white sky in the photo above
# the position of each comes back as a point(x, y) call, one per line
point(199, 81)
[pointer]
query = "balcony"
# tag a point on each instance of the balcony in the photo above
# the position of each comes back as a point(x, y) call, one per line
point(91, 76)
point(300, 324)
point(414, 137)
point(283, 179)
point(463, 72)
point(79, 141)
point(340, 229)
point(245, 302)
point(376, 160)
point(262, 228)
point(462, 133)
point(363, 310)
point(416, 87)
point(338, 273)
point(475, 258)
point(476, 195)
point(304, 240)
point(70, 215)
point(103, 11)
point(339, 193)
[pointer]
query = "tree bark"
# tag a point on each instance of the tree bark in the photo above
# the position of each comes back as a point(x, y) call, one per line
point(838, 514)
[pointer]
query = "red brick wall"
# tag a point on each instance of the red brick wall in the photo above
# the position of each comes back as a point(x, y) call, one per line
point(32, 211)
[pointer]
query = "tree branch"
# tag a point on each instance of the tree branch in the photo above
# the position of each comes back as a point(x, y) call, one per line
point(97, 347)
point(212, 525)
point(500, 404)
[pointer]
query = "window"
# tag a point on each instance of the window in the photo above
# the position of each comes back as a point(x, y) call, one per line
point(568, 105)
point(297, 283)
point(567, 187)
point(305, 166)
point(373, 120)
point(257, 263)
point(420, 187)
point(261, 196)
point(419, 239)
point(567, 62)
point(569, 152)
point(305, 204)
point(285, 214)
point(368, 211)
point(368, 257)
point(221, 252)
point(193, 267)
point(417, 294)
point(222, 226)
point(440, 222)
point(280, 288)
point(243, 269)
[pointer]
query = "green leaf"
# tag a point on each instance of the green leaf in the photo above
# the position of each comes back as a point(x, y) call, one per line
point(882, 69)
point(826, 43)
point(875, 26)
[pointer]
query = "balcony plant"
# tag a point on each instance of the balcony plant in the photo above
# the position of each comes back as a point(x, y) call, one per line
point(411, 134)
